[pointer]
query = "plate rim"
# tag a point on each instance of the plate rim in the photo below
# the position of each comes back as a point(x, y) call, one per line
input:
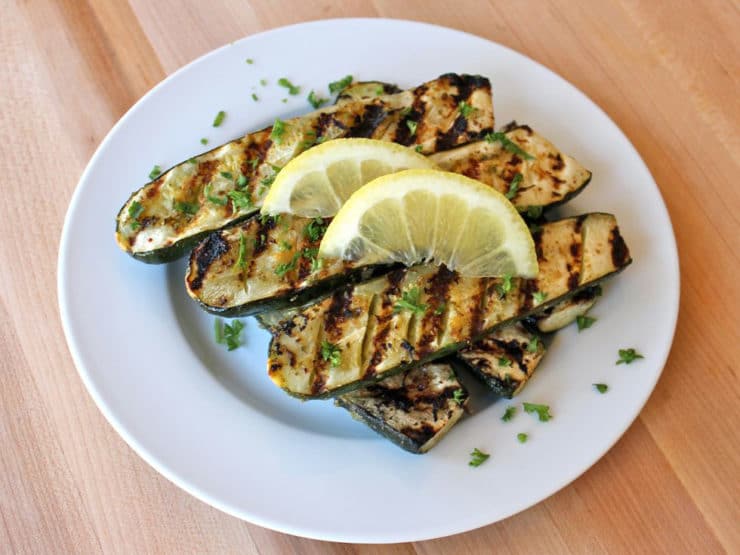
point(192, 489)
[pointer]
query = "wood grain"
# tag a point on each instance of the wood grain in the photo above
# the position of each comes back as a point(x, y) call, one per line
point(667, 73)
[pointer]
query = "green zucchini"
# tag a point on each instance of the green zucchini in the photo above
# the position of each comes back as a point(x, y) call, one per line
point(221, 286)
point(503, 360)
point(168, 216)
point(374, 339)
point(414, 409)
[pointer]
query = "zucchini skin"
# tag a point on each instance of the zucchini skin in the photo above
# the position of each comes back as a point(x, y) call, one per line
point(375, 341)
point(167, 216)
point(546, 180)
point(414, 410)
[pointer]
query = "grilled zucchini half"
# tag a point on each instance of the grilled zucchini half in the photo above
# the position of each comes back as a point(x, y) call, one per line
point(278, 263)
point(503, 360)
point(168, 216)
point(414, 409)
point(371, 336)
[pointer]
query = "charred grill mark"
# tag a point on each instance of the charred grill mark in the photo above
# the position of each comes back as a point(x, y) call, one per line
point(514, 161)
point(338, 312)
point(466, 84)
point(403, 131)
point(324, 122)
point(368, 122)
point(510, 127)
point(575, 265)
point(620, 252)
point(380, 345)
point(557, 162)
point(262, 228)
point(204, 255)
point(421, 434)
point(473, 169)
point(477, 303)
point(388, 88)
point(447, 139)
point(318, 381)
point(437, 288)
point(153, 189)
point(537, 238)
point(528, 287)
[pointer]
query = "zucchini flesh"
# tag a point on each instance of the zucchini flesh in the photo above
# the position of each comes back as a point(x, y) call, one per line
point(414, 409)
point(166, 217)
point(503, 360)
point(375, 340)
point(565, 313)
point(221, 286)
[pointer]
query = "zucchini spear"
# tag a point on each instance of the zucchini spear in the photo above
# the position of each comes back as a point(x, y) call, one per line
point(264, 265)
point(168, 216)
point(375, 337)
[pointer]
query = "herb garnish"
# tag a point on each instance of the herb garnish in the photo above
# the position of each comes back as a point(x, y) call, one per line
point(241, 181)
point(186, 207)
point(221, 201)
point(135, 209)
point(458, 396)
point(508, 144)
point(315, 230)
point(418, 148)
point(601, 387)
point(627, 356)
point(255, 97)
point(477, 457)
point(410, 300)
point(254, 162)
point(331, 352)
point(155, 173)
point(339, 86)
point(514, 186)
point(522, 437)
point(466, 109)
point(539, 296)
point(240, 199)
point(412, 126)
point(379, 91)
point(285, 246)
point(533, 345)
point(226, 175)
point(315, 101)
point(503, 361)
point(219, 119)
point(584, 322)
point(228, 334)
point(286, 267)
point(241, 260)
point(504, 287)
point(509, 413)
point(263, 82)
point(440, 309)
point(543, 411)
point(204, 141)
point(278, 129)
point(250, 61)
point(292, 89)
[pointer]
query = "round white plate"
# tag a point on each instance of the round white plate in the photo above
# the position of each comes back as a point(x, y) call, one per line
point(213, 423)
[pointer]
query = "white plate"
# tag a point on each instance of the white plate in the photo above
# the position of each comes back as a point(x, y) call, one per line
point(213, 423)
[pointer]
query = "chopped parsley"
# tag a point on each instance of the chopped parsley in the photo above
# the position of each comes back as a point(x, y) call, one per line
point(514, 186)
point(504, 287)
point(503, 361)
point(186, 207)
point(379, 91)
point(219, 119)
point(466, 110)
point(263, 82)
point(192, 161)
point(241, 181)
point(508, 144)
point(314, 230)
point(284, 100)
point(255, 97)
point(458, 396)
point(533, 212)
point(292, 89)
point(601, 387)
point(253, 162)
point(278, 130)
point(155, 173)
point(339, 86)
point(584, 322)
point(204, 141)
point(221, 201)
point(627, 356)
point(285, 246)
point(412, 126)
point(533, 345)
point(478, 457)
point(440, 309)
point(228, 334)
point(410, 300)
point(250, 61)
point(240, 199)
point(316, 264)
point(331, 353)
point(226, 175)
point(418, 148)
point(539, 296)
point(522, 437)
point(241, 260)
point(509, 413)
point(135, 209)
point(542, 411)
point(286, 267)
point(315, 101)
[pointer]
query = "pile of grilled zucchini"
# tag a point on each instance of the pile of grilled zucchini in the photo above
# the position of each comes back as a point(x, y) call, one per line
point(399, 372)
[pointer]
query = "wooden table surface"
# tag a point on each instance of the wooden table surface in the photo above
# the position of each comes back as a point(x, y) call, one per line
point(667, 73)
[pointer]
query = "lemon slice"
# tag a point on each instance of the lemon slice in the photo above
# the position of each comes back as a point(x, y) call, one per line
point(318, 181)
point(419, 216)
